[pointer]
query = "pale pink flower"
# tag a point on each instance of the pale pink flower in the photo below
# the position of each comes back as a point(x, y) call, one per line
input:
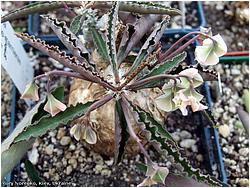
point(54, 106)
point(182, 100)
point(194, 75)
point(210, 51)
point(155, 174)
point(84, 132)
point(31, 92)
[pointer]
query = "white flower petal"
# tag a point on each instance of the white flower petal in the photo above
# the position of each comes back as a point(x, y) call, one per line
point(202, 107)
point(207, 42)
point(183, 111)
point(202, 53)
point(221, 47)
point(76, 131)
point(164, 102)
point(191, 72)
point(212, 59)
point(90, 135)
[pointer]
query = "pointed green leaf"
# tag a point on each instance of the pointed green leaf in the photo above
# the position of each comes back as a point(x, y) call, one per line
point(147, 119)
point(13, 154)
point(129, 30)
point(49, 123)
point(161, 143)
point(33, 173)
point(100, 44)
point(121, 134)
point(167, 65)
point(150, 44)
point(141, 7)
point(68, 38)
point(111, 38)
point(37, 7)
point(76, 24)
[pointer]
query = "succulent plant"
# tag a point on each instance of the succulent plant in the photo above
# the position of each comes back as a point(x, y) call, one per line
point(120, 73)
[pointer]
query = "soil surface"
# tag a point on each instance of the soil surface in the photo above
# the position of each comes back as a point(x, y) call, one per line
point(229, 19)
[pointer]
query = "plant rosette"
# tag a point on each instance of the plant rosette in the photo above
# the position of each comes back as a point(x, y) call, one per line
point(116, 92)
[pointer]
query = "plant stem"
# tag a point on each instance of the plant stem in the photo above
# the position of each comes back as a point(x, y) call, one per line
point(182, 48)
point(66, 7)
point(99, 103)
point(165, 55)
point(60, 73)
point(137, 84)
point(124, 104)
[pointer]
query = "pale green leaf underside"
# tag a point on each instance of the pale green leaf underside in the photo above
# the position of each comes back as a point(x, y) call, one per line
point(48, 123)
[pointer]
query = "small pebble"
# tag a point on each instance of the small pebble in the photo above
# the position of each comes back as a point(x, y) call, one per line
point(224, 130)
point(187, 143)
point(65, 140)
point(199, 157)
point(185, 134)
point(69, 169)
point(244, 182)
point(73, 162)
point(60, 133)
point(49, 149)
point(244, 151)
point(98, 168)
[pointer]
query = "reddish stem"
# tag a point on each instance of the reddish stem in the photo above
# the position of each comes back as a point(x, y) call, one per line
point(168, 52)
point(125, 104)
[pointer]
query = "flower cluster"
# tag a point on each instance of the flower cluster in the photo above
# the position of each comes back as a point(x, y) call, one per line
point(155, 174)
point(181, 93)
point(210, 51)
point(84, 132)
point(52, 106)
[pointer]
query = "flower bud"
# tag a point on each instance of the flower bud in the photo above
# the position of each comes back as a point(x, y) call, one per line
point(54, 106)
point(31, 92)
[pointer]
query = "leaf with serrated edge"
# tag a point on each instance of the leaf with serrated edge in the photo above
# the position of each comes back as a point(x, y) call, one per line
point(167, 65)
point(31, 116)
point(68, 38)
point(163, 145)
point(33, 173)
point(150, 44)
point(147, 119)
point(121, 134)
point(111, 38)
point(36, 8)
point(137, 31)
point(140, 7)
point(49, 123)
point(100, 43)
point(84, 69)
point(124, 42)
point(76, 24)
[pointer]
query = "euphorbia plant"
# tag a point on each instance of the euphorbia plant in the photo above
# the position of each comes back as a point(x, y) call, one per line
point(151, 67)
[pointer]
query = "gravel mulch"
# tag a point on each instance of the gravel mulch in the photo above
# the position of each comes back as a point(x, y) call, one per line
point(59, 158)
